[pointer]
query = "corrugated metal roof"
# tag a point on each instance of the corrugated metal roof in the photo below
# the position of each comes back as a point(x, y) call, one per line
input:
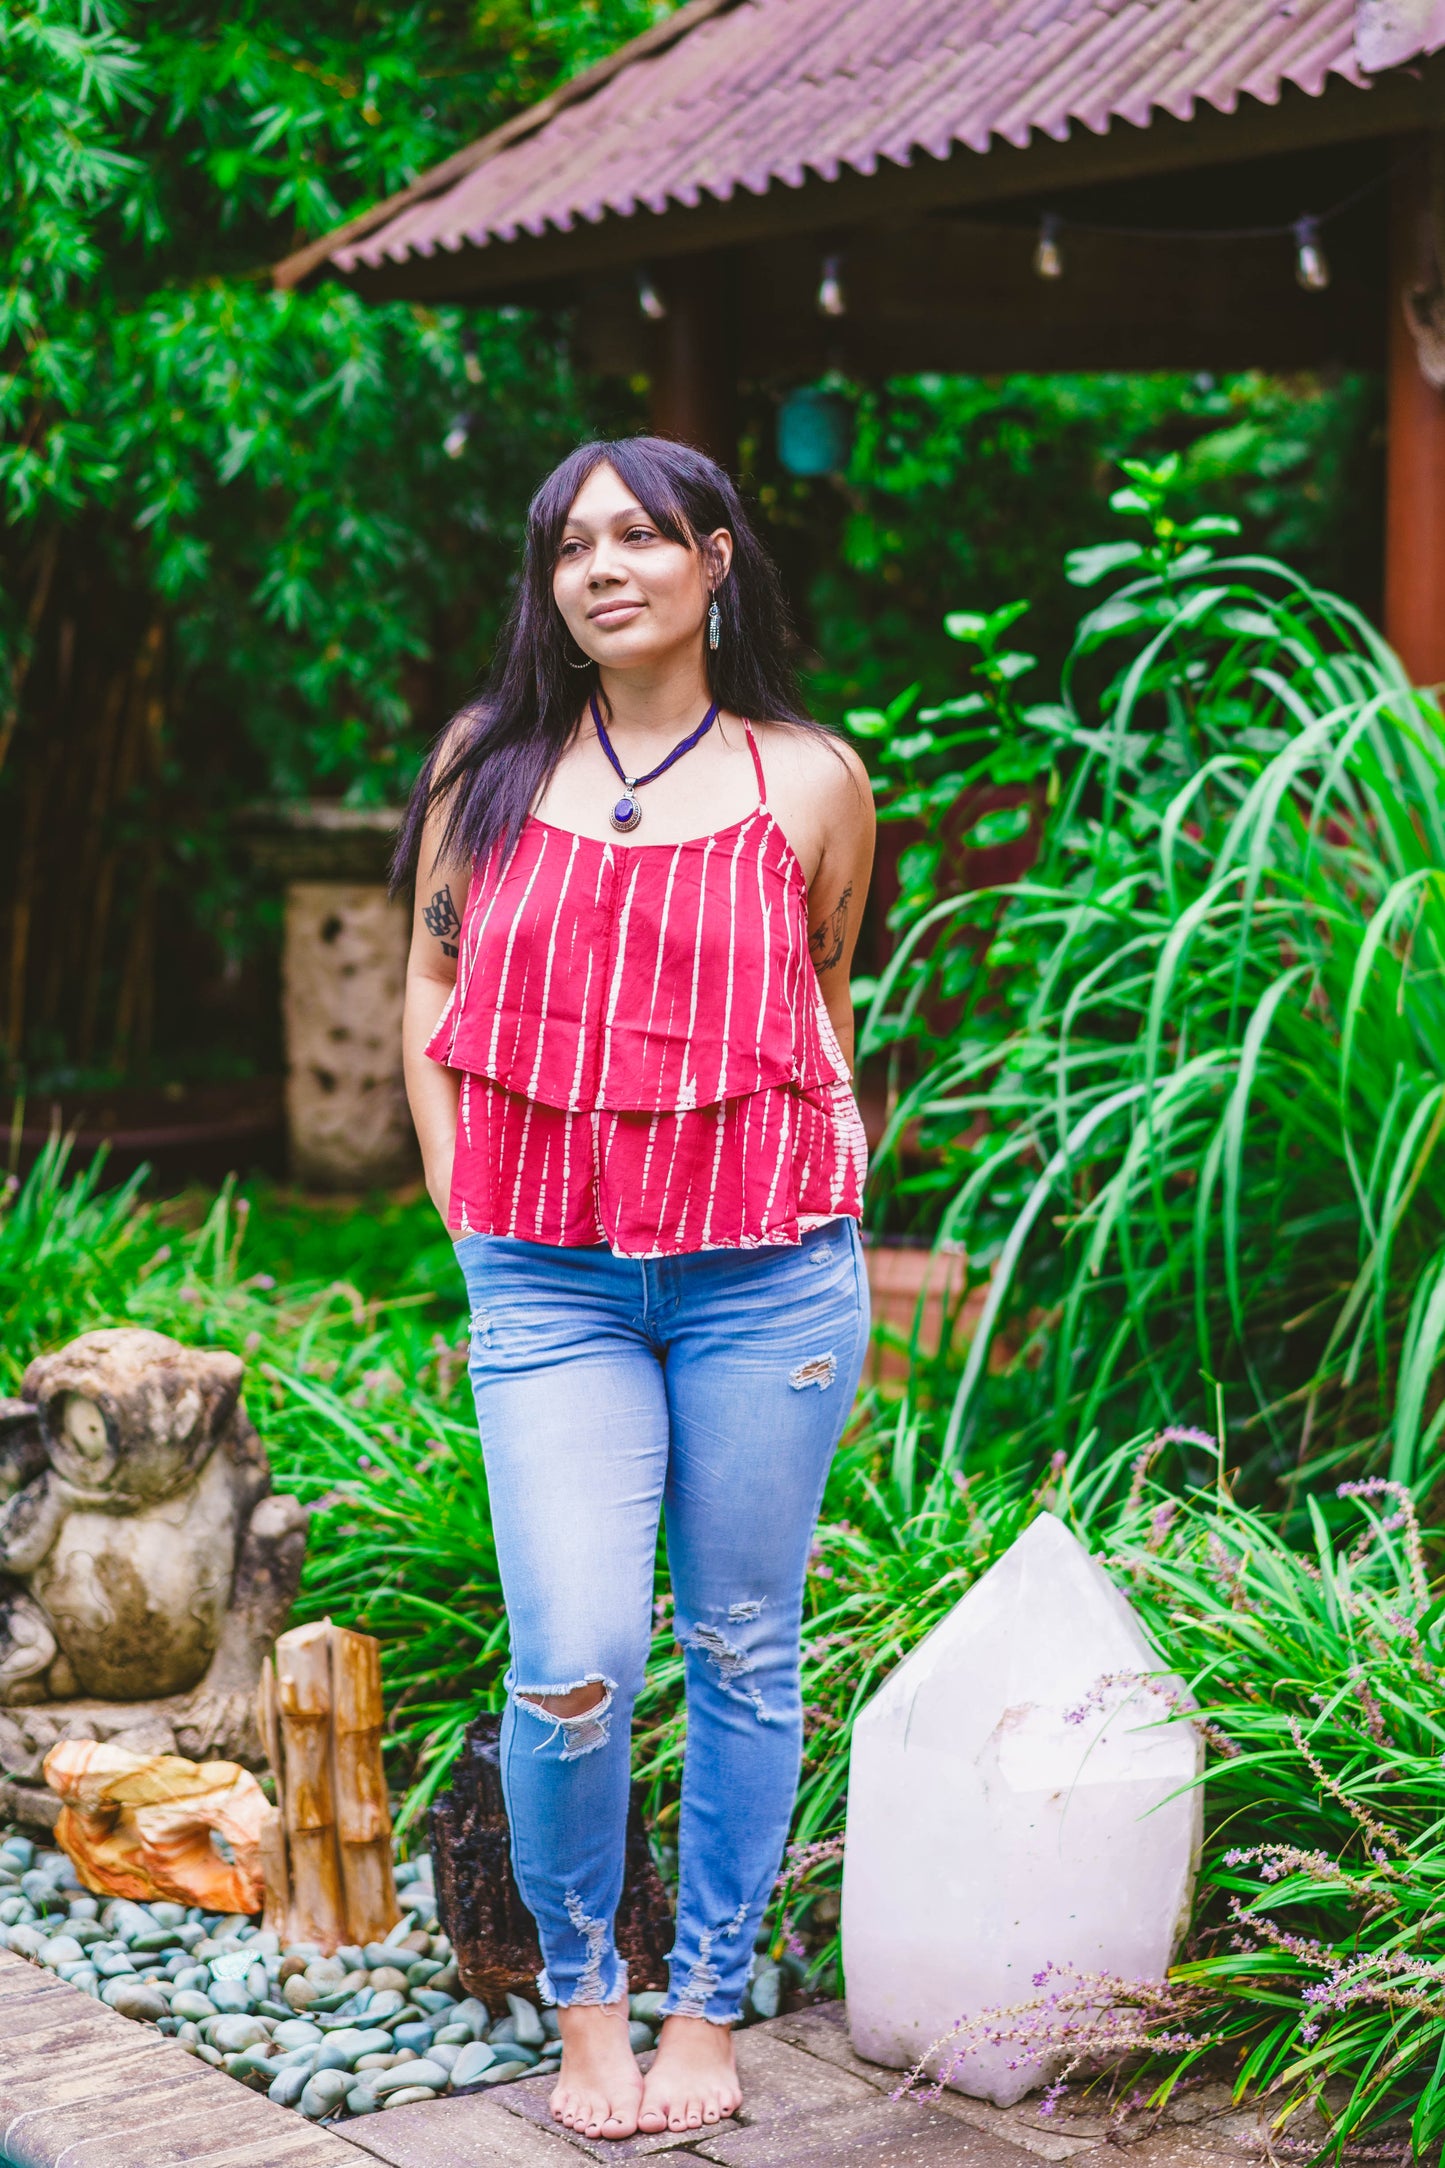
point(762, 93)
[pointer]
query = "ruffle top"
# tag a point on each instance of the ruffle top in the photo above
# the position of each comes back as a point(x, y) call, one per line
point(646, 1057)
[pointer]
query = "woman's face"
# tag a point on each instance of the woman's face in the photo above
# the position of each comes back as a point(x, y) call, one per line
point(628, 595)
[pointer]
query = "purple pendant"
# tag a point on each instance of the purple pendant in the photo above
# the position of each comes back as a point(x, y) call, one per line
point(626, 814)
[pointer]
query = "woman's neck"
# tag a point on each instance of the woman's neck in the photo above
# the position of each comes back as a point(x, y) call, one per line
point(663, 701)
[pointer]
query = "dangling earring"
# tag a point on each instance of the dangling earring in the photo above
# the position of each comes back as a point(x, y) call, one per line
point(585, 664)
point(714, 624)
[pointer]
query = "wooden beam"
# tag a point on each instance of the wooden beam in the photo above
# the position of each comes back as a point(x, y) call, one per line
point(1401, 104)
point(693, 368)
point(1415, 453)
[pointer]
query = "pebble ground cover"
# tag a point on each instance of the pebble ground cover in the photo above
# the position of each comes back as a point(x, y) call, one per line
point(352, 2033)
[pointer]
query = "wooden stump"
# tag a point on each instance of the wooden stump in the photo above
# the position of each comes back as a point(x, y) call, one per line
point(326, 1846)
point(491, 1931)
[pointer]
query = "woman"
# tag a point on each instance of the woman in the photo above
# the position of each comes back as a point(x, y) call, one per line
point(626, 1061)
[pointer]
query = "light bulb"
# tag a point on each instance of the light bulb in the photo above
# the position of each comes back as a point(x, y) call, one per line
point(454, 443)
point(831, 299)
point(649, 300)
point(1048, 256)
point(1311, 265)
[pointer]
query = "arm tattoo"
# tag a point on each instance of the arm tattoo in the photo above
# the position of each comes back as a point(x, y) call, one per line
point(827, 943)
point(440, 917)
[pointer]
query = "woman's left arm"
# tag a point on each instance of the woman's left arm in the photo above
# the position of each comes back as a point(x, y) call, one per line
point(839, 888)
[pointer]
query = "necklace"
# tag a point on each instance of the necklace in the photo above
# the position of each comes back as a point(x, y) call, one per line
point(627, 813)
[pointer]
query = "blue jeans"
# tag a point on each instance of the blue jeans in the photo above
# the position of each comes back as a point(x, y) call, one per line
point(713, 1387)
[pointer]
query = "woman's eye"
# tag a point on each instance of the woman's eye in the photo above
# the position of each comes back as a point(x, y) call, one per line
point(639, 534)
point(569, 549)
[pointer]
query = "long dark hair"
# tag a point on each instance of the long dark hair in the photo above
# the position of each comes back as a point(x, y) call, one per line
point(491, 762)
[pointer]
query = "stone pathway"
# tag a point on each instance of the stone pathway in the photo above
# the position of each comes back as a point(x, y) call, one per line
point(81, 2087)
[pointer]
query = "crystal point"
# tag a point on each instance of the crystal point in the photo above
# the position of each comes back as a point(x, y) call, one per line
point(1021, 1795)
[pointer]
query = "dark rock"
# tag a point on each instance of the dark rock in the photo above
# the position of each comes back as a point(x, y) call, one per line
point(480, 1907)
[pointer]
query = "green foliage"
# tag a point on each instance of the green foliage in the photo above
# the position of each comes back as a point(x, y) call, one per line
point(1315, 1950)
point(975, 486)
point(1186, 1113)
point(287, 522)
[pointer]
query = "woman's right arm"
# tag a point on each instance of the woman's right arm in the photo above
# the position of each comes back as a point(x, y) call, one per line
point(432, 1091)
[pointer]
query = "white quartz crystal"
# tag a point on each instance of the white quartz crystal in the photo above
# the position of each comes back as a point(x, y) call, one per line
point(1017, 1798)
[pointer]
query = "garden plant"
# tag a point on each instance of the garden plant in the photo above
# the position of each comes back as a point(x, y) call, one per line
point(1179, 1086)
point(1177, 1102)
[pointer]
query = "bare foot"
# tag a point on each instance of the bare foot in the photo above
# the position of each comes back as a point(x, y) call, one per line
point(599, 2087)
point(694, 2079)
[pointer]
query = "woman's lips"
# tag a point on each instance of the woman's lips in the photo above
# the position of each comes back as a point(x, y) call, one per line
point(612, 613)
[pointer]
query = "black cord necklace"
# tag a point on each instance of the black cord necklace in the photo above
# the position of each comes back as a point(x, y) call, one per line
point(627, 813)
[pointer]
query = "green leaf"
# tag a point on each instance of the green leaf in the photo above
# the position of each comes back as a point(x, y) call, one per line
point(866, 722)
point(953, 710)
point(969, 626)
point(1083, 568)
point(1005, 825)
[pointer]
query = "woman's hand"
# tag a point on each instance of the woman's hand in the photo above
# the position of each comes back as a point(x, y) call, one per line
point(438, 1172)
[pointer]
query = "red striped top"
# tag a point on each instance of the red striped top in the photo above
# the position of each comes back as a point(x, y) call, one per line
point(645, 1053)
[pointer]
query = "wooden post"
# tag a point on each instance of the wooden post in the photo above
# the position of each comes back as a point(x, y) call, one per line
point(694, 364)
point(303, 1692)
point(326, 1846)
point(363, 1820)
point(1415, 457)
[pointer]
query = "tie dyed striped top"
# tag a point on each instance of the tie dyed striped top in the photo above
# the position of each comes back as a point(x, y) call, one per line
point(645, 1056)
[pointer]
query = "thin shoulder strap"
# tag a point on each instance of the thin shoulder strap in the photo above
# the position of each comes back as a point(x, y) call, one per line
point(757, 762)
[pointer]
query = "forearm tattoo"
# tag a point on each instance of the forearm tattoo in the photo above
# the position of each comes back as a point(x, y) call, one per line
point(827, 942)
point(440, 917)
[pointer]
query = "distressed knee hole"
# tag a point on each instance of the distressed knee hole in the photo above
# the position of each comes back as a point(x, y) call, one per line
point(582, 1713)
point(819, 1370)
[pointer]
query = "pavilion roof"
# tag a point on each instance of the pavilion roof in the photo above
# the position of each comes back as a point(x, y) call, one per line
point(759, 95)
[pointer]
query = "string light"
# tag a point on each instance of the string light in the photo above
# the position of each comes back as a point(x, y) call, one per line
point(1048, 256)
point(1311, 265)
point(649, 300)
point(454, 443)
point(471, 360)
point(831, 299)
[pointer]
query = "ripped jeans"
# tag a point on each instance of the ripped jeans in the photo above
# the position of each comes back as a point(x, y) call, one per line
point(712, 1387)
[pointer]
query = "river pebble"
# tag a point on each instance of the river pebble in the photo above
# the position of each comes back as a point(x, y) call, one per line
point(330, 2034)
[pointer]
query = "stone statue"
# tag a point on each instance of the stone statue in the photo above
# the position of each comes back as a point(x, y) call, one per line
point(146, 1566)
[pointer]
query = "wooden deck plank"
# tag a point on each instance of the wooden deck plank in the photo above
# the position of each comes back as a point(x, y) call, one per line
point(82, 2086)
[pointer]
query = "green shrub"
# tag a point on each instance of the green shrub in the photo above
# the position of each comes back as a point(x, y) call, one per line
point(1185, 1106)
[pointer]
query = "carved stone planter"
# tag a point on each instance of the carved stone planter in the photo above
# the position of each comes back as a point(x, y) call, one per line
point(343, 978)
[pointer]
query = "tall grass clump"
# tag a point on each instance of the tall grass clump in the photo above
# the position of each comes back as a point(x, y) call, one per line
point(1182, 1084)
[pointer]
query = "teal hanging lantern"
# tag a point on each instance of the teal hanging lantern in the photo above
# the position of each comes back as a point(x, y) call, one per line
point(815, 431)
